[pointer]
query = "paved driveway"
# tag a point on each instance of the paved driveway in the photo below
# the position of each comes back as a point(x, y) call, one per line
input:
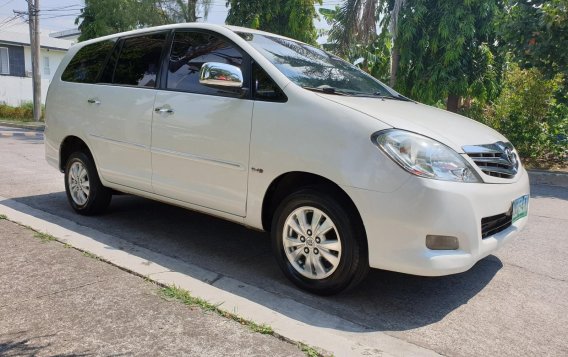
point(512, 303)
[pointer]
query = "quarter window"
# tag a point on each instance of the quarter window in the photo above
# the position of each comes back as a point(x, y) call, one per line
point(190, 50)
point(139, 60)
point(87, 63)
point(264, 86)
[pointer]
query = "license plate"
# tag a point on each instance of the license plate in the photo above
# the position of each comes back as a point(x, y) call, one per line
point(520, 207)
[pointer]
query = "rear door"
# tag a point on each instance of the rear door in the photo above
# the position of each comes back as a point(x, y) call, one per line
point(200, 138)
point(122, 107)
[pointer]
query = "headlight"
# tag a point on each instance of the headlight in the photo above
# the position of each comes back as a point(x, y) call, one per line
point(424, 157)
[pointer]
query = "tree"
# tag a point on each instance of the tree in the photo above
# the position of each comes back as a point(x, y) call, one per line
point(447, 50)
point(105, 17)
point(181, 11)
point(355, 21)
point(291, 18)
point(528, 114)
point(536, 34)
point(440, 50)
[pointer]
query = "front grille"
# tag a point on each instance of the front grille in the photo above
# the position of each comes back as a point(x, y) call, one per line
point(495, 224)
point(497, 160)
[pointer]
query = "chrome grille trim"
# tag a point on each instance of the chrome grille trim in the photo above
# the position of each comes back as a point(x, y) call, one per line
point(497, 160)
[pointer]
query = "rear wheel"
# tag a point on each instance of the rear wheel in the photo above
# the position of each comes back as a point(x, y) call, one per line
point(85, 192)
point(317, 243)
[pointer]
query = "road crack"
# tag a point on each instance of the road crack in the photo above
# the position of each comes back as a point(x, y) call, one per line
point(72, 288)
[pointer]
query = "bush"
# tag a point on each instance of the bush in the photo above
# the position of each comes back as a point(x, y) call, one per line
point(25, 112)
point(528, 114)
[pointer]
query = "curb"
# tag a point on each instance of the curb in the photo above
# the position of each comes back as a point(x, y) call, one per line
point(27, 134)
point(35, 127)
point(551, 178)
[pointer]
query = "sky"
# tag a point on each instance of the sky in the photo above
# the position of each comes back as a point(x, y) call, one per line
point(58, 15)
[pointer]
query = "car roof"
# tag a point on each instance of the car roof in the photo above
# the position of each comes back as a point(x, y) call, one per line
point(185, 25)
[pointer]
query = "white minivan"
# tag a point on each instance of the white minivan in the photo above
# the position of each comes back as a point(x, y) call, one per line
point(281, 136)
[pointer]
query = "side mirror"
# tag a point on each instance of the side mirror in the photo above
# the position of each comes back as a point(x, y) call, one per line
point(215, 74)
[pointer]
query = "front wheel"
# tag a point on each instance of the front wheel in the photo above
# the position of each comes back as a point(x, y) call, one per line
point(85, 192)
point(318, 244)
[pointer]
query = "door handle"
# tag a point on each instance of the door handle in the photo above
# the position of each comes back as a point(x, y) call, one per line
point(93, 101)
point(164, 110)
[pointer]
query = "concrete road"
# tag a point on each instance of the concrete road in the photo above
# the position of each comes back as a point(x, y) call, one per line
point(512, 303)
point(57, 302)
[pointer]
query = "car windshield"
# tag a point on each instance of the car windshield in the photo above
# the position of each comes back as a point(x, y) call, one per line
point(315, 69)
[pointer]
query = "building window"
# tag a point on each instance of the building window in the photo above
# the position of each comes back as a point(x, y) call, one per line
point(46, 70)
point(4, 63)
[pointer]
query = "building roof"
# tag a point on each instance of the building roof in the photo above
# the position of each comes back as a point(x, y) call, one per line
point(19, 36)
point(66, 33)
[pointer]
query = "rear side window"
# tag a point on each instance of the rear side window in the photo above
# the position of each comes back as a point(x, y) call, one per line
point(190, 50)
point(139, 61)
point(87, 62)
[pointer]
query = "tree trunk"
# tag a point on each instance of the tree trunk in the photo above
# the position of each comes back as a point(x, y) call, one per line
point(395, 57)
point(191, 10)
point(453, 103)
point(393, 29)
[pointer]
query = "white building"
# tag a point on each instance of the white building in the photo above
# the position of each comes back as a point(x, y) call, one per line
point(16, 64)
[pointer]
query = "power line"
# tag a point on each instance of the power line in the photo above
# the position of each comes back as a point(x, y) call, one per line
point(9, 22)
point(6, 3)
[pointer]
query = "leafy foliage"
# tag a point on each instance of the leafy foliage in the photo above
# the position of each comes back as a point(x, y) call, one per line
point(440, 49)
point(105, 17)
point(372, 57)
point(528, 114)
point(291, 18)
point(24, 112)
point(447, 49)
point(536, 33)
point(355, 21)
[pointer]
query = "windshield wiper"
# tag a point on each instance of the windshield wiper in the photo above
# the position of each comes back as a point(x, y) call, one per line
point(391, 96)
point(324, 89)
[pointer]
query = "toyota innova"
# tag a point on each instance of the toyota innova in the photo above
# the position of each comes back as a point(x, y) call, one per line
point(284, 137)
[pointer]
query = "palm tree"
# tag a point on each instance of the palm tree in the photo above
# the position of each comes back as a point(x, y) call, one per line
point(356, 21)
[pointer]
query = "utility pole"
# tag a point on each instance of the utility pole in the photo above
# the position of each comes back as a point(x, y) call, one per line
point(33, 13)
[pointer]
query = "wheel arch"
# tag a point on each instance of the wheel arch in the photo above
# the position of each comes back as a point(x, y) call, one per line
point(290, 182)
point(68, 146)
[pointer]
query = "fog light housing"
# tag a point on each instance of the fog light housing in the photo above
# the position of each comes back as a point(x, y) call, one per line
point(435, 242)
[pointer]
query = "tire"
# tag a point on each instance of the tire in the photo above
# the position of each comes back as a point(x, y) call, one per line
point(321, 263)
point(85, 192)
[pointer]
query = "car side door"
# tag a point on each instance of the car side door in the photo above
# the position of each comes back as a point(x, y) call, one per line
point(201, 135)
point(122, 109)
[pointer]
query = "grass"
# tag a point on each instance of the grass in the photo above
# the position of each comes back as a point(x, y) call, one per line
point(2, 216)
point(308, 350)
point(20, 121)
point(44, 237)
point(183, 296)
point(23, 120)
point(91, 255)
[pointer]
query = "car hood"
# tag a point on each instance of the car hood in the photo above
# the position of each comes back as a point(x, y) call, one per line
point(446, 127)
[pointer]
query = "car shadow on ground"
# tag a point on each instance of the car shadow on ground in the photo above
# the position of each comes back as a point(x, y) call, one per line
point(385, 301)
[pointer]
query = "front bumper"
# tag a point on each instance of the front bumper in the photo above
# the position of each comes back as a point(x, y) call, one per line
point(397, 223)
